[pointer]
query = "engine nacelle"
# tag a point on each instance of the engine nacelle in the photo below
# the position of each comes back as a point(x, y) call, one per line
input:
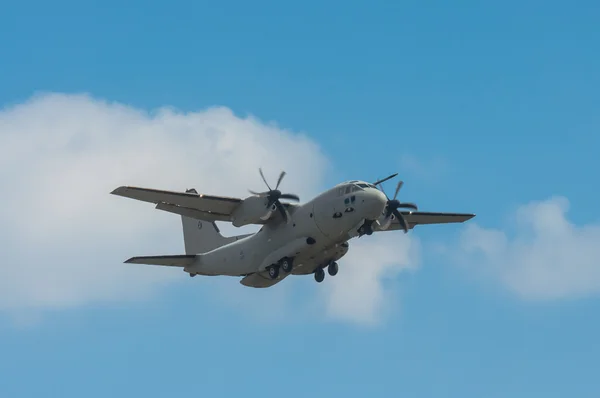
point(252, 210)
point(384, 222)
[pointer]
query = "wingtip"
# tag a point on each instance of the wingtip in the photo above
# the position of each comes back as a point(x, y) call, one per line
point(118, 190)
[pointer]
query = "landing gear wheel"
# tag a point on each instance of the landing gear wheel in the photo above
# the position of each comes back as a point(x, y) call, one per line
point(273, 271)
point(365, 230)
point(333, 268)
point(287, 264)
point(319, 275)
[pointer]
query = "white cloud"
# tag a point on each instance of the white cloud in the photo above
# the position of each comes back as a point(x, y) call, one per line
point(358, 291)
point(547, 258)
point(64, 237)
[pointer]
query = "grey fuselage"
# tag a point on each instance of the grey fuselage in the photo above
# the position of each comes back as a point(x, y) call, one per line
point(316, 227)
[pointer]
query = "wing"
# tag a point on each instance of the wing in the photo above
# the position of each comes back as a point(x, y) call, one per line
point(212, 205)
point(423, 218)
point(189, 204)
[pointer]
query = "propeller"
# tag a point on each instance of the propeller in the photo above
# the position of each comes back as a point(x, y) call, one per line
point(394, 204)
point(378, 182)
point(274, 195)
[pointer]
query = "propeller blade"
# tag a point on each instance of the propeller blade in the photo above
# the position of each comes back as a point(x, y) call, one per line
point(280, 178)
point(283, 211)
point(290, 196)
point(258, 193)
point(401, 220)
point(382, 190)
point(385, 179)
point(408, 205)
point(389, 210)
point(400, 183)
point(264, 179)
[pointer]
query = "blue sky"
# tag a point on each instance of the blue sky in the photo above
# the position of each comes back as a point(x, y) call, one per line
point(482, 108)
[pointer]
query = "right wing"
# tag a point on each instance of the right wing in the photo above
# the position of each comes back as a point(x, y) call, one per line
point(189, 204)
point(425, 218)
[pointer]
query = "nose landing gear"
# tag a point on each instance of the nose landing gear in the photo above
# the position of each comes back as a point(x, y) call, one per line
point(366, 228)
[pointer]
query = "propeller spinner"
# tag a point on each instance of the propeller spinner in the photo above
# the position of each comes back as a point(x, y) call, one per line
point(274, 195)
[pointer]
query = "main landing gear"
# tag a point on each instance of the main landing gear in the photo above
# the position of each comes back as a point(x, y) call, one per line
point(332, 269)
point(286, 264)
point(319, 275)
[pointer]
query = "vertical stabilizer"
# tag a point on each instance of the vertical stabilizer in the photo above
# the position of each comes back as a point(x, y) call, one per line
point(201, 236)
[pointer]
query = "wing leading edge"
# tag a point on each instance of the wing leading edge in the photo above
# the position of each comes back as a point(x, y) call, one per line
point(425, 218)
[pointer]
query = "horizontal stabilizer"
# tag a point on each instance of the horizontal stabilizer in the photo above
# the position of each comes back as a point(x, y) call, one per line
point(182, 260)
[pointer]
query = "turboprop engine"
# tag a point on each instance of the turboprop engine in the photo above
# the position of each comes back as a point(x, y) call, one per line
point(391, 211)
point(261, 206)
point(252, 210)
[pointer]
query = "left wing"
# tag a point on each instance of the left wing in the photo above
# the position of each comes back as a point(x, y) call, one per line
point(189, 204)
point(424, 218)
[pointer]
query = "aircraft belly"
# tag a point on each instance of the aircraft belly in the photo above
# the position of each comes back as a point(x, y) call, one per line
point(290, 249)
point(309, 260)
point(235, 259)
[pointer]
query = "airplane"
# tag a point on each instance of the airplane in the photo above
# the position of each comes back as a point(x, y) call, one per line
point(294, 239)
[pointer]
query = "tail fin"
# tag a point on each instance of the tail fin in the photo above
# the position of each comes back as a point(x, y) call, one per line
point(203, 236)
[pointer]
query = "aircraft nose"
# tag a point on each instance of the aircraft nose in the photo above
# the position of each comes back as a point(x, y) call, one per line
point(377, 202)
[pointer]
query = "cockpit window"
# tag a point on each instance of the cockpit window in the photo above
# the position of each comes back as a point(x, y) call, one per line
point(362, 185)
point(348, 189)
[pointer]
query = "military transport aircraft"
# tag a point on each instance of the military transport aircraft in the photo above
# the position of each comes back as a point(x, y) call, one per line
point(297, 239)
